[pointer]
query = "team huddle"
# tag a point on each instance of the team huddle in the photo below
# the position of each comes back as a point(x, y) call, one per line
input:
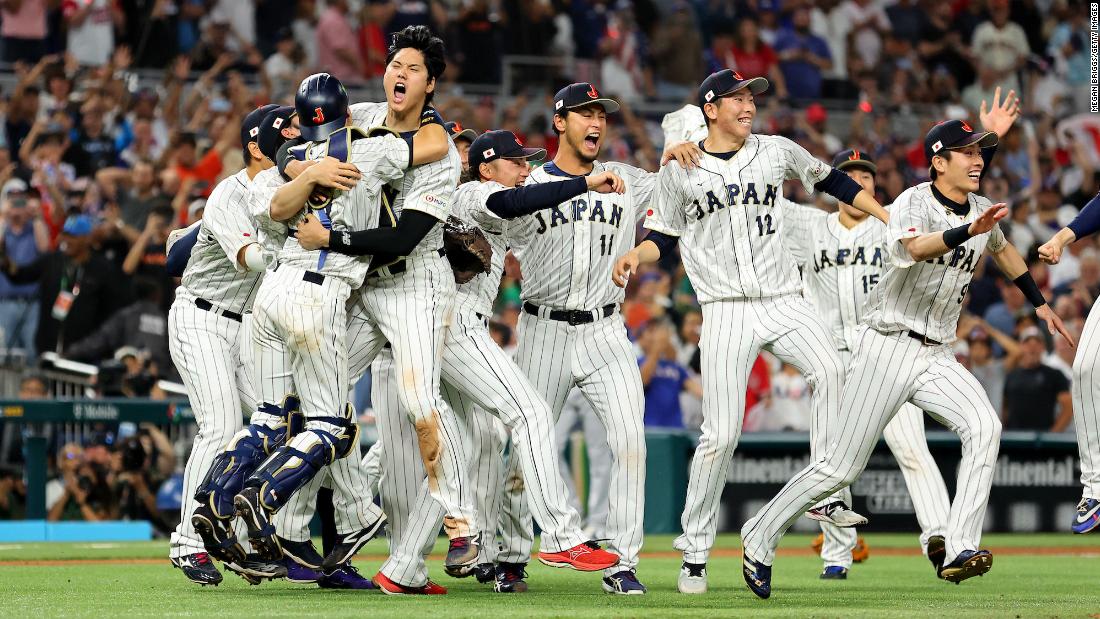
point(372, 236)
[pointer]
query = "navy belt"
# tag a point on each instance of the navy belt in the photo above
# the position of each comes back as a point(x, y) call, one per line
point(313, 277)
point(573, 317)
point(207, 306)
point(400, 266)
point(924, 339)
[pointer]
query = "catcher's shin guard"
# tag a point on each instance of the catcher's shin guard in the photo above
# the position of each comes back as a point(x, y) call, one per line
point(246, 451)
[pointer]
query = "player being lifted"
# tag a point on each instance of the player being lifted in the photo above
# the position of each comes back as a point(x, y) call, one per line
point(727, 218)
point(938, 231)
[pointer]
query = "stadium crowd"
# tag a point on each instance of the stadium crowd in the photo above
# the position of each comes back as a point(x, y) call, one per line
point(119, 117)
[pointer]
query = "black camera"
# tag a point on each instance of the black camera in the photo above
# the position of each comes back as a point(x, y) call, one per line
point(133, 454)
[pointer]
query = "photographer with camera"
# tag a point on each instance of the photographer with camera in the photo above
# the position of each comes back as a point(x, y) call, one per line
point(139, 466)
point(82, 491)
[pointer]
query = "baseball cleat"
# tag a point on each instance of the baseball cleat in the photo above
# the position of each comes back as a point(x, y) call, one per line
point(937, 551)
point(693, 578)
point(623, 582)
point(350, 544)
point(586, 557)
point(1087, 517)
point(835, 572)
point(302, 553)
point(390, 587)
point(510, 578)
point(300, 574)
point(968, 564)
point(261, 533)
point(486, 572)
point(199, 569)
point(758, 577)
point(255, 570)
point(837, 513)
point(217, 537)
point(462, 553)
point(345, 577)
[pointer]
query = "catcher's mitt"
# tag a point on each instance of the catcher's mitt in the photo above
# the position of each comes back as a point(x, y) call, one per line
point(467, 249)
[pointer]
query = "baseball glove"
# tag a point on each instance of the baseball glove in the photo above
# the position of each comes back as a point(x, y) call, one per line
point(467, 249)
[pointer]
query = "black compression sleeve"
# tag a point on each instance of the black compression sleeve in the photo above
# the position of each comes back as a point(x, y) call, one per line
point(956, 236)
point(398, 241)
point(512, 203)
point(664, 242)
point(1026, 284)
point(839, 185)
point(283, 157)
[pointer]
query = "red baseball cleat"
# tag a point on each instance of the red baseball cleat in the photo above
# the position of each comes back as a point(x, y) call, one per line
point(390, 587)
point(586, 557)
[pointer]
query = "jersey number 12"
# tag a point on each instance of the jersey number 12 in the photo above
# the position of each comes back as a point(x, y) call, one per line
point(764, 224)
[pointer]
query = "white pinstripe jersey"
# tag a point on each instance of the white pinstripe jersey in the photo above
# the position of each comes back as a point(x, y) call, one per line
point(272, 234)
point(927, 297)
point(840, 266)
point(379, 159)
point(567, 251)
point(724, 212)
point(479, 293)
point(213, 272)
point(428, 188)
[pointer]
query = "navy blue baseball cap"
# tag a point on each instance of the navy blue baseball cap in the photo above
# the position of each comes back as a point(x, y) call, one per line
point(322, 105)
point(579, 95)
point(854, 159)
point(953, 135)
point(726, 82)
point(500, 144)
point(250, 126)
point(271, 130)
point(458, 132)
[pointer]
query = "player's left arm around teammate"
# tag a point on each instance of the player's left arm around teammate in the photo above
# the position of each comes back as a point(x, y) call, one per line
point(1012, 264)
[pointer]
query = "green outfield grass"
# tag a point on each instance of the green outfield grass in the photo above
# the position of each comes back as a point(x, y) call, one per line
point(1035, 576)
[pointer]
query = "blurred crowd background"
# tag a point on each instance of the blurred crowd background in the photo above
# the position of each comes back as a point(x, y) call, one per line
point(117, 118)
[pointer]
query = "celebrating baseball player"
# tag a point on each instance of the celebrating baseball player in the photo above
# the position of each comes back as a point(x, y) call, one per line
point(724, 215)
point(1085, 387)
point(937, 233)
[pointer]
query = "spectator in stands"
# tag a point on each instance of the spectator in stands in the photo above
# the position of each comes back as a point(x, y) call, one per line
point(690, 327)
point(990, 370)
point(82, 490)
point(282, 68)
point(399, 14)
point(93, 149)
point(187, 171)
point(677, 53)
point(141, 325)
point(91, 26)
point(906, 20)
point(1035, 392)
point(752, 57)
point(23, 238)
point(1004, 314)
point(863, 23)
point(803, 56)
point(1000, 46)
point(23, 30)
point(33, 387)
point(942, 48)
point(154, 29)
point(786, 407)
point(147, 257)
point(339, 54)
point(663, 377)
point(138, 473)
point(78, 289)
point(136, 193)
point(13, 494)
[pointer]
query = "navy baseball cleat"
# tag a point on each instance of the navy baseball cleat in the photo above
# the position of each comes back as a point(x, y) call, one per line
point(461, 554)
point(217, 535)
point(623, 582)
point(261, 533)
point(937, 551)
point(510, 578)
point(758, 577)
point(1088, 516)
point(302, 553)
point(199, 569)
point(350, 544)
point(300, 574)
point(835, 572)
point(345, 577)
point(255, 570)
point(968, 564)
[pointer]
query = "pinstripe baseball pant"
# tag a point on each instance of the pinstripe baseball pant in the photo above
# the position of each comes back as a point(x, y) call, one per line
point(206, 349)
point(888, 370)
point(1085, 390)
point(733, 334)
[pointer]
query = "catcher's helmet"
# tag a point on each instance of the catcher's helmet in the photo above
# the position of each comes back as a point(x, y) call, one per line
point(322, 106)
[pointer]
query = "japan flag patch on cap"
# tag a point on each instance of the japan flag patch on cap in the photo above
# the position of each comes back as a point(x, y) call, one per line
point(559, 103)
point(937, 147)
point(709, 96)
point(254, 131)
point(488, 152)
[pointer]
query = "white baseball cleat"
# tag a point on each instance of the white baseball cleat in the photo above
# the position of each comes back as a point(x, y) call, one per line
point(693, 579)
point(837, 513)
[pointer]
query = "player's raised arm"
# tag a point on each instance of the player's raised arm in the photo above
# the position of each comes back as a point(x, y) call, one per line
point(665, 220)
point(1086, 223)
point(935, 244)
point(816, 175)
point(1012, 264)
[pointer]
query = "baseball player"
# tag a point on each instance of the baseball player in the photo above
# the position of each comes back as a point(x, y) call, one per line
point(570, 333)
point(462, 138)
point(937, 233)
point(724, 215)
point(1085, 387)
point(221, 266)
point(476, 372)
point(842, 256)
